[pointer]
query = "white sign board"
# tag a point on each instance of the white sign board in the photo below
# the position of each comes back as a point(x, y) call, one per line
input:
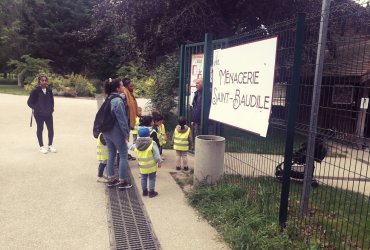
point(196, 72)
point(243, 79)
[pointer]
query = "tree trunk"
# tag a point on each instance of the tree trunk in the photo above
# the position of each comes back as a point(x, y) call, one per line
point(21, 79)
point(20, 82)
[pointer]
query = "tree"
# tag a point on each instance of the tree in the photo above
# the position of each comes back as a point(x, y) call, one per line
point(28, 67)
point(50, 27)
point(166, 85)
point(10, 47)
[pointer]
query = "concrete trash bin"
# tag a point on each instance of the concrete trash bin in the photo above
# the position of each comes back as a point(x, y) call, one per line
point(99, 100)
point(209, 159)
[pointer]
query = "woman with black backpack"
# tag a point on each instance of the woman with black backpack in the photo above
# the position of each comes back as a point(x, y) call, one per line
point(117, 137)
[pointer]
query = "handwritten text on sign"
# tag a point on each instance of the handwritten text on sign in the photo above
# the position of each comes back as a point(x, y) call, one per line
point(242, 85)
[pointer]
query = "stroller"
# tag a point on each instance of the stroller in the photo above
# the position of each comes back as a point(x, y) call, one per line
point(299, 162)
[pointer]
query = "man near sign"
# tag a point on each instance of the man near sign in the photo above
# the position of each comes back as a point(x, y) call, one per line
point(197, 106)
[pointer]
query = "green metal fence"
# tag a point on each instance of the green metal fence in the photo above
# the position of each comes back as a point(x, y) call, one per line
point(338, 209)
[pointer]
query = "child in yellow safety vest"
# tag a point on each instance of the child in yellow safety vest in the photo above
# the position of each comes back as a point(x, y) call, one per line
point(182, 142)
point(149, 160)
point(161, 131)
point(137, 123)
point(102, 156)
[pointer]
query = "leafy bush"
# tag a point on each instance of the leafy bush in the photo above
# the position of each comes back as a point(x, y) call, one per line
point(81, 85)
point(70, 85)
point(98, 85)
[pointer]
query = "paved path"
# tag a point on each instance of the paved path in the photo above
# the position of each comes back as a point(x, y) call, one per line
point(53, 201)
point(50, 201)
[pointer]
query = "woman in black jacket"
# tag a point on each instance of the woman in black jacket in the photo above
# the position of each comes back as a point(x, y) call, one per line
point(41, 101)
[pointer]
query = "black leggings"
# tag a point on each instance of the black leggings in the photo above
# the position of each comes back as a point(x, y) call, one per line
point(40, 127)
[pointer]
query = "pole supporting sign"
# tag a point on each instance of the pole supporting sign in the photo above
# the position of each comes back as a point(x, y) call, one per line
point(243, 78)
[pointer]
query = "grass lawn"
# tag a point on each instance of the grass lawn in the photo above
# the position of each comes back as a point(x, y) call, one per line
point(13, 89)
point(245, 212)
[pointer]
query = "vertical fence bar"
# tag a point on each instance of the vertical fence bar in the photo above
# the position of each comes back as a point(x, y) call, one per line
point(182, 89)
point(206, 95)
point(315, 106)
point(292, 116)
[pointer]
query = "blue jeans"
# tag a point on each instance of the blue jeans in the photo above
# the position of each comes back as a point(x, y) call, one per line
point(144, 181)
point(116, 141)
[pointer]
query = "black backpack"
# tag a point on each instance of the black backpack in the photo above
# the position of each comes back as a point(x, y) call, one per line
point(104, 119)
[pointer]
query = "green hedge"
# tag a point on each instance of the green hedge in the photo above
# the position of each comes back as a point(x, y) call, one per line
point(8, 82)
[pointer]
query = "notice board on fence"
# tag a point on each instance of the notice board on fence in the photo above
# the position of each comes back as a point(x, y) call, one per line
point(242, 85)
point(196, 72)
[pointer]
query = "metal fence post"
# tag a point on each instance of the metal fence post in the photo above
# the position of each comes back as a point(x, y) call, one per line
point(206, 95)
point(315, 106)
point(182, 88)
point(292, 116)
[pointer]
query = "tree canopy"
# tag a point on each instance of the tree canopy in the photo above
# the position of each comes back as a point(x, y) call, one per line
point(100, 38)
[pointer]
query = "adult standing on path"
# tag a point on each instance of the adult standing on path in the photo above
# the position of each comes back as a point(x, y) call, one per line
point(117, 137)
point(133, 112)
point(41, 101)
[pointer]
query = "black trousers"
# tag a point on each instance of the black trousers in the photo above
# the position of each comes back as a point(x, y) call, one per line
point(48, 120)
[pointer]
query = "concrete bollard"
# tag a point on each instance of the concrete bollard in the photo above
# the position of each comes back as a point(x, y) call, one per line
point(99, 100)
point(209, 159)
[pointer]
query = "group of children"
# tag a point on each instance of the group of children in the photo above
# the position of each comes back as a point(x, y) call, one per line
point(149, 136)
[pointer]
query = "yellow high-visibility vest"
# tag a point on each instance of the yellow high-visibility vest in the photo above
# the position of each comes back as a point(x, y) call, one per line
point(181, 141)
point(159, 136)
point(101, 150)
point(145, 158)
point(162, 131)
point(137, 122)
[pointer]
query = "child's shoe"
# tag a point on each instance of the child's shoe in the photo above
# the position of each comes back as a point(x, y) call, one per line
point(102, 179)
point(145, 192)
point(178, 168)
point(152, 194)
point(186, 169)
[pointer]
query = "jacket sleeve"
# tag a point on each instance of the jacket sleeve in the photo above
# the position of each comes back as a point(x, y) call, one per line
point(32, 99)
point(131, 146)
point(52, 99)
point(118, 108)
point(156, 154)
point(155, 138)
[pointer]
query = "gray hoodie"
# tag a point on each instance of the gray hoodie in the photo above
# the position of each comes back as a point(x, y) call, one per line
point(142, 143)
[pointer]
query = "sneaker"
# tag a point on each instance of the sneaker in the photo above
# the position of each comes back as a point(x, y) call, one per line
point(124, 185)
point(43, 150)
point(112, 182)
point(131, 158)
point(186, 169)
point(101, 179)
point(178, 168)
point(52, 149)
point(152, 194)
point(145, 193)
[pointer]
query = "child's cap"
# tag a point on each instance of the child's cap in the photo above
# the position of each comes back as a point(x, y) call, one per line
point(143, 132)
